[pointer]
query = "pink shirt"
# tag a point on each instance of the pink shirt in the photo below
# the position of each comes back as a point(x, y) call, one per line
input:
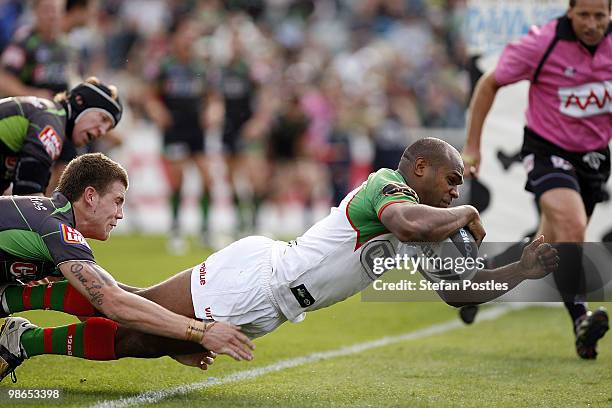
point(570, 105)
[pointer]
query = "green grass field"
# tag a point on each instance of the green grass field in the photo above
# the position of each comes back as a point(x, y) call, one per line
point(523, 358)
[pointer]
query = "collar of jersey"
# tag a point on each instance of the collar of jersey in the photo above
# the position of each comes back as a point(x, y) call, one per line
point(63, 206)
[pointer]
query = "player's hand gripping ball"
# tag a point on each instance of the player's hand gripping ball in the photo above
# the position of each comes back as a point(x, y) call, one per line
point(454, 259)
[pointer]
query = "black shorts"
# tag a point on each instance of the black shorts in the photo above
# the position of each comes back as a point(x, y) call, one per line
point(549, 166)
point(182, 143)
point(232, 136)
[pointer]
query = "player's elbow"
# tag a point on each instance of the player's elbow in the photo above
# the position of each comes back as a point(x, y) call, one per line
point(458, 299)
point(488, 82)
point(457, 304)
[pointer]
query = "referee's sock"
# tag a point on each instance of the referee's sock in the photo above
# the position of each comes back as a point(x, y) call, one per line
point(570, 279)
point(59, 296)
point(576, 310)
point(175, 205)
point(94, 339)
point(205, 210)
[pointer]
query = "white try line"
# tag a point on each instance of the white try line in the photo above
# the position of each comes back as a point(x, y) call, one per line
point(151, 397)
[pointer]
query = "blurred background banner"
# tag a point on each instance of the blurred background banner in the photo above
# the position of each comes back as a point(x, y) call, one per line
point(296, 103)
point(490, 24)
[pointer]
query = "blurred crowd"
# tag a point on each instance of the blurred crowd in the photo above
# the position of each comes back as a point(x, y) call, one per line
point(304, 97)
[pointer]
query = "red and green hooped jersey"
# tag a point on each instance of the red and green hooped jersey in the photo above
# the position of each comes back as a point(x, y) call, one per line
point(334, 258)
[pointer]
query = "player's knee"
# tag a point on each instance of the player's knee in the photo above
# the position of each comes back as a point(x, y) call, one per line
point(565, 223)
point(569, 229)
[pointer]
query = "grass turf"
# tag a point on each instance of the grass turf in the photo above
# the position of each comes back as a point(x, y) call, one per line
point(525, 358)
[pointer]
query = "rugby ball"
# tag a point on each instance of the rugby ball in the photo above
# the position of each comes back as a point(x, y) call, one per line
point(454, 259)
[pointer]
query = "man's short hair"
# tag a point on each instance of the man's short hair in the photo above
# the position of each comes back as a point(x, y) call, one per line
point(435, 151)
point(572, 3)
point(92, 169)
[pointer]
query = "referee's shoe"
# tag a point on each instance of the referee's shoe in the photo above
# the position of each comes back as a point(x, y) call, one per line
point(589, 329)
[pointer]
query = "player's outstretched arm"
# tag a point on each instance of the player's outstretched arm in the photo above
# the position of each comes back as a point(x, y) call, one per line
point(421, 223)
point(138, 313)
point(11, 85)
point(128, 288)
point(538, 260)
point(482, 100)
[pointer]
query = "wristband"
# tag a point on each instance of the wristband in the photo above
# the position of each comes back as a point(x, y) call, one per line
point(195, 330)
point(468, 159)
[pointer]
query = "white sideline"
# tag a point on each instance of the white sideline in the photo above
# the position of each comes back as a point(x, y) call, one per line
point(151, 397)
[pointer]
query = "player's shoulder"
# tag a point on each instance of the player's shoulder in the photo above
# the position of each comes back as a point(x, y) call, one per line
point(27, 38)
point(34, 210)
point(385, 174)
point(17, 52)
point(543, 34)
point(23, 34)
point(200, 65)
point(528, 49)
point(390, 180)
point(46, 109)
point(157, 69)
point(59, 217)
point(64, 42)
point(242, 68)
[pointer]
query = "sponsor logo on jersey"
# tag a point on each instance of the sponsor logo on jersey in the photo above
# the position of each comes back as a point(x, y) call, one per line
point(51, 141)
point(69, 345)
point(586, 100)
point(37, 202)
point(43, 54)
point(208, 313)
point(184, 87)
point(398, 189)
point(593, 159)
point(72, 236)
point(302, 295)
point(203, 274)
point(10, 162)
point(50, 72)
point(561, 163)
point(23, 270)
point(14, 57)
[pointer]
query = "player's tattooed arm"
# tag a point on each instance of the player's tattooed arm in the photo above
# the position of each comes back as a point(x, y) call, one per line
point(136, 312)
point(128, 288)
point(89, 279)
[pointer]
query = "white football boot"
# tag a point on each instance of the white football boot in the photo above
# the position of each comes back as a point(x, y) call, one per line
point(11, 352)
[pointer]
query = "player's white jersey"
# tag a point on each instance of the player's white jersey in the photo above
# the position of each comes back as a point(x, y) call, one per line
point(334, 259)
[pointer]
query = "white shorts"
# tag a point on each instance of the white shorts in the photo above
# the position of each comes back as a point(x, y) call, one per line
point(232, 286)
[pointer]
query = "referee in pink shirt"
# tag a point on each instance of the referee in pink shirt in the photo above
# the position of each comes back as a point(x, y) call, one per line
point(568, 62)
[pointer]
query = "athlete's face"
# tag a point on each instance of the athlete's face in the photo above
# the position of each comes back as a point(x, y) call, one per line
point(186, 36)
point(107, 211)
point(49, 16)
point(590, 19)
point(90, 126)
point(441, 184)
